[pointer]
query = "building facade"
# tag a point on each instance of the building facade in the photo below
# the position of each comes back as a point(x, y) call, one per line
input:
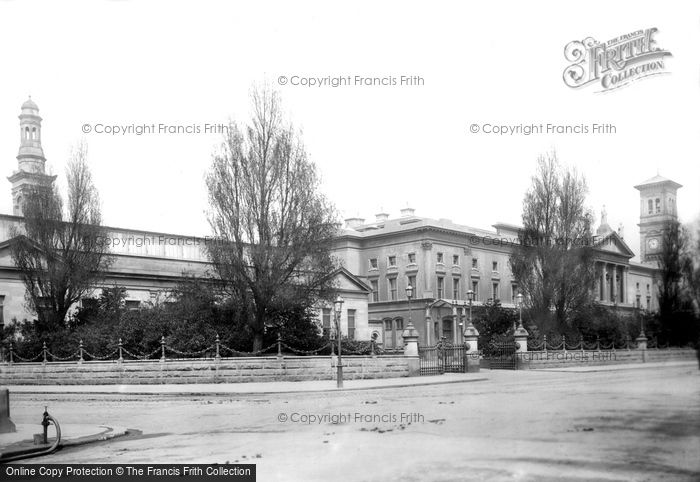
point(148, 264)
point(442, 260)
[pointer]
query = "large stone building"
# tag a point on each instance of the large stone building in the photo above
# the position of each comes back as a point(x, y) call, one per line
point(439, 258)
point(442, 260)
point(148, 264)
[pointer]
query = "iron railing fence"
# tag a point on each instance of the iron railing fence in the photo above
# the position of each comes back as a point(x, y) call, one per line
point(217, 350)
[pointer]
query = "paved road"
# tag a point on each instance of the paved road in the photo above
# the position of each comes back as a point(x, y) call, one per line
point(641, 424)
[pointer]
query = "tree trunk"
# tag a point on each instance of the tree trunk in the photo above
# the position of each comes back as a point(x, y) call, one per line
point(258, 330)
point(257, 341)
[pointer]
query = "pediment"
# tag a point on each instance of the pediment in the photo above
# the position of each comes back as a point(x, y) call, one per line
point(613, 243)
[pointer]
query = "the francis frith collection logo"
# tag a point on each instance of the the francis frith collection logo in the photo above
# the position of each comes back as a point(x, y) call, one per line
point(615, 63)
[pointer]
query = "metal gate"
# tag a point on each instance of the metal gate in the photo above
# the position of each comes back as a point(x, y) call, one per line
point(502, 356)
point(442, 358)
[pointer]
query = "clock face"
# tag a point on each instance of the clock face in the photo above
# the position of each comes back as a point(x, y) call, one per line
point(653, 243)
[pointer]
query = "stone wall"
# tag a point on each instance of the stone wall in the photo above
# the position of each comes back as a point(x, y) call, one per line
point(557, 359)
point(226, 370)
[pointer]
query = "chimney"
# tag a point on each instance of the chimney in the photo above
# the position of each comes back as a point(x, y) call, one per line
point(352, 223)
point(382, 217)
point(407, 212)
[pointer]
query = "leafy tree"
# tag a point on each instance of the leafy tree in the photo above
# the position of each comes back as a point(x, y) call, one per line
point(676, 288)
point(553, 263)
point(60, 251)
point(493, 321)
point(273, 227)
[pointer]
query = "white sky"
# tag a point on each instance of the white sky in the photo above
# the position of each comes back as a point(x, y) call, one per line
point(120, 62)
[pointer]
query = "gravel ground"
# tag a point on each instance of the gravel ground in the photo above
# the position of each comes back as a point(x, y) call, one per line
point(641, 424)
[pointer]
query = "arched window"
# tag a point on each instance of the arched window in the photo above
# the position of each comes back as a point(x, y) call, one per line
point(26, 132)
point(34, 136)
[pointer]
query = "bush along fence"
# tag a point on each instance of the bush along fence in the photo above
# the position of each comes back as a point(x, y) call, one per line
point(217, 350)
point(560, 343)
point(556, 351)
point(216, 363)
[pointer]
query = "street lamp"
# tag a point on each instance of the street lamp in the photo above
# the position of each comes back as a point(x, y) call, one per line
point(338, 308)
point(520, 306)
point(409, 295)
point(470, 298)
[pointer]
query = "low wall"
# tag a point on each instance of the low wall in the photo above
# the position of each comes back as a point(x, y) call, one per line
point(555, 359)
point(225, 370)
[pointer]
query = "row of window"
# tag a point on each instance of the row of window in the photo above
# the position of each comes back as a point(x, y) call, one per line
point(326, 322)
point(391, 261)
point(393, 294)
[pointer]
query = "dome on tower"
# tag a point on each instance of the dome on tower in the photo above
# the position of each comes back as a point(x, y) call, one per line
point(30, 104)
point(604, 228)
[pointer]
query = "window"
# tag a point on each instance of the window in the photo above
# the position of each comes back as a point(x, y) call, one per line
point(440, 258)
point(326, 321)
point(650, 206)
point(392, 260)
point(648, 303)
point(392, 289)
point(373, 263)
point(658, 205)
point(440, 287)
point(387, 325)
point(455, 288)
point(475, 263)
point(455, 259)
point(375, 290)
point(514, 293)
point(351, 324)
point(637, 286)
point(475, 289)
point(412, 282)
point(132, 304)
point(647, 288)
point(399, 324)
point(495, 292)
point(495, 265)
point(411, 258)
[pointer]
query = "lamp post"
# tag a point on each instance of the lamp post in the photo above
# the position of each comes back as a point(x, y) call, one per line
point(520, 306)
point(409, 295)
point(470, 298)
point(338, 308)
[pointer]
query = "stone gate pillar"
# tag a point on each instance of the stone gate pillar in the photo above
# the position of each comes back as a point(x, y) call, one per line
point(410, 349)
point(471, 339)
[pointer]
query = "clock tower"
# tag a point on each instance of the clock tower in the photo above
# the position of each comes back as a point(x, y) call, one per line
point(657, 197)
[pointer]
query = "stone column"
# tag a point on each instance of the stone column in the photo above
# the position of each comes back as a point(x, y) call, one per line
point(427, 272)
point(521, 335)
point(428, 326)
point(471, 338)
point(603, 282)
point(625, 286)
point(642, 345)
point(410, 349)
